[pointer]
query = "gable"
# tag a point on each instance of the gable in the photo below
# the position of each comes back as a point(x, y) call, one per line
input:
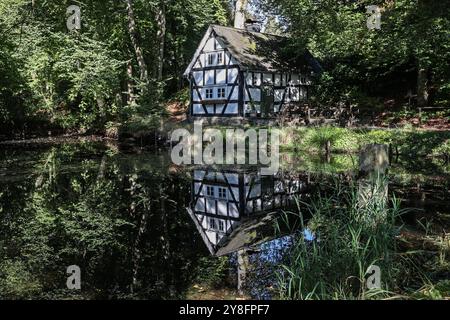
point(210, 43)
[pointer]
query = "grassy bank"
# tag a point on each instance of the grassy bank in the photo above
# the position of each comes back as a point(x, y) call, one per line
point(344, 140)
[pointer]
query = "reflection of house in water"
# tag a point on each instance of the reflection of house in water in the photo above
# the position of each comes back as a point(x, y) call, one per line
point(233, 209)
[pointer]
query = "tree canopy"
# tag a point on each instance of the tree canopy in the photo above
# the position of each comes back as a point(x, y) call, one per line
point(413, 41)
point(125, 61)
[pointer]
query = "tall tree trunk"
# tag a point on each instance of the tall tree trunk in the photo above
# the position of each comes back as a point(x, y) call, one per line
point(134, 36)
point(130, 88)
point(239, 14)
point(101, 171)
point(422, 90)
point(161, 36)
point(137, 252)
point(164, 224)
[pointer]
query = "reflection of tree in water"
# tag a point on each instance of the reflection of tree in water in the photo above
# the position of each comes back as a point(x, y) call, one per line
point(123, 222)
point(263, 262)
point(122, 219)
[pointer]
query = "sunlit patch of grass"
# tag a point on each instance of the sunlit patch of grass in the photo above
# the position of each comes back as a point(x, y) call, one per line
point(316, 139)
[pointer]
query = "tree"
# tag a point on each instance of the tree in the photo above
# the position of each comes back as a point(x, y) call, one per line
point(161, 35)
point(134, 36)
point(118, 70)
point(359, 61)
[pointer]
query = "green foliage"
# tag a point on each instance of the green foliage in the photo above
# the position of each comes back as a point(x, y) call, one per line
point(439, 291)
point(363, 64)
point(78, 81)
point(443, 149)
point(351, 233)
point(90, 213)
point(213, 272)
point(339, 138)
point(16, 281)
point(76, 84)
point(409, 142)
point(316, 163)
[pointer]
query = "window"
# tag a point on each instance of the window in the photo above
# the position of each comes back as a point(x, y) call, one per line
point(216, 224)
point(221, 226)
point(211, 59)
point(212, 224)
point(214, 59)
point(221, 93)
point(209, 93)
point(220, 58)
point(222, 193)
point(210, 191)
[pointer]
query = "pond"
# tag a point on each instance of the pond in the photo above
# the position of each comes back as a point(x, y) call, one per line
point(140, 227)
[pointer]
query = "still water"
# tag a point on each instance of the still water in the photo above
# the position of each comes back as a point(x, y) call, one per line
point(140, 227)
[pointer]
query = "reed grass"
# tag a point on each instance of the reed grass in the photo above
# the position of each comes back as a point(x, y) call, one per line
point(351, 233)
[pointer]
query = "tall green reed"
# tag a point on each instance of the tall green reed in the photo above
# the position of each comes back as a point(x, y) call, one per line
point(353, 228)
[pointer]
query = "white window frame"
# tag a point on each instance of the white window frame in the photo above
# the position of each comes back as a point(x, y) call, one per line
point(209, 93)
point(210, 194)
point(217, 225)
point(219, 91)
point(216, 58)
point(221, 225)
point(294, 92)
point(212, 224)
point(224, 191)
point(210, 59)
point(219, 58)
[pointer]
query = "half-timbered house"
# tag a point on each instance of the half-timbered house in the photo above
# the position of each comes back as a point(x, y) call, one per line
point(224, 201)
point(243, 73)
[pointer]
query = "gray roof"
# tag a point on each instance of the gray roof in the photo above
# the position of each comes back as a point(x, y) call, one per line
point(262, 51)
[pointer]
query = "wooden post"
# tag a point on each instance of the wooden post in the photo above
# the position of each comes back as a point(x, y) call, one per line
point(243, 264)
point(328, 151)
point(373, 158)
point(372, 184)
point(391, 153)
point(328, 147)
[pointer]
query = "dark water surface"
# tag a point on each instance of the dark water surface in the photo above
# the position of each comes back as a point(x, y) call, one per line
point(140, 227)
